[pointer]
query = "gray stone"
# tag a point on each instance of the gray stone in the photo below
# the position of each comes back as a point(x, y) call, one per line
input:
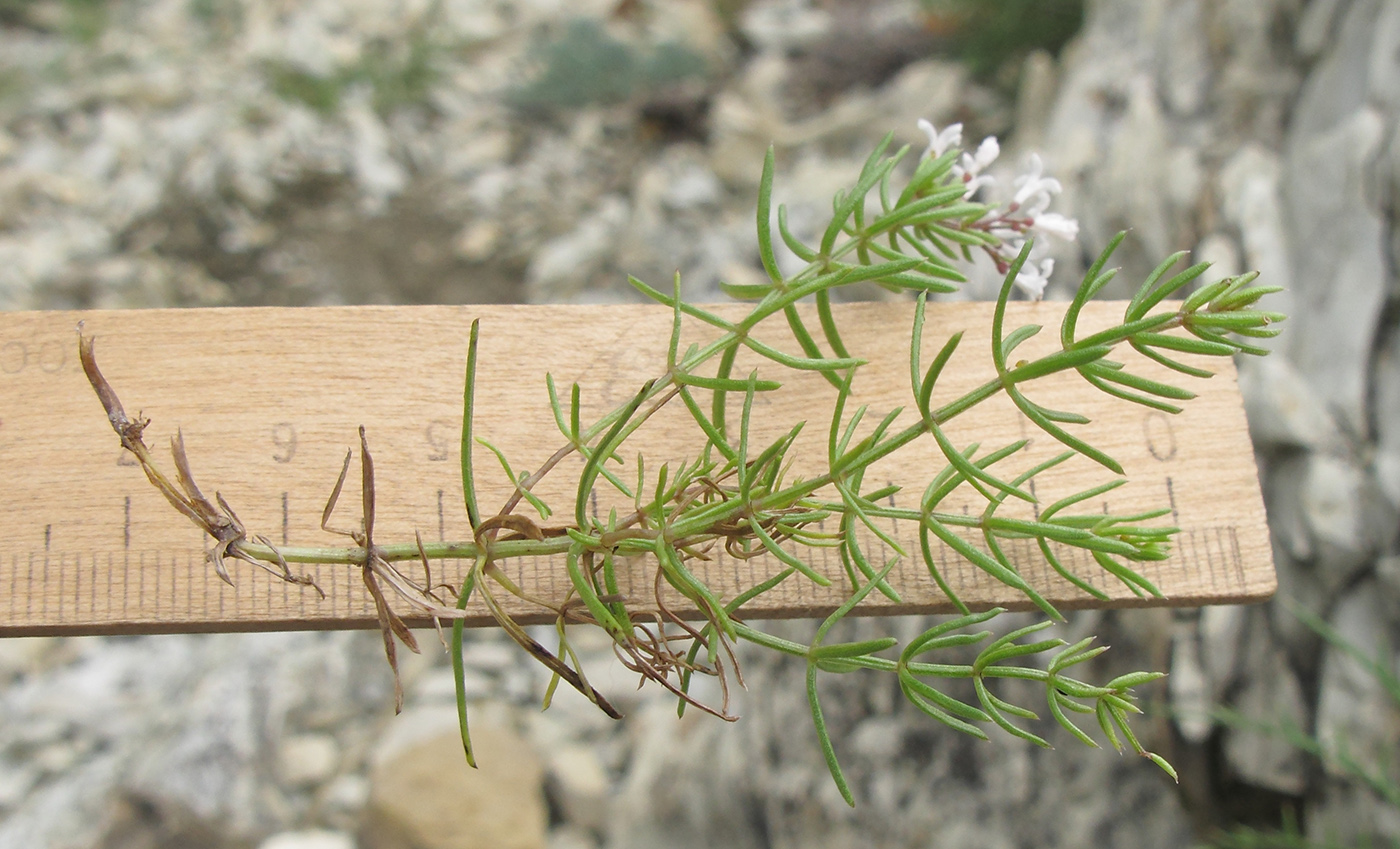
point(438, 686)
point(1188, 685)
point(1338, 292)
point(1388, 581)
point(16, 780)
point(1385, 413)
point(1249, 189)
point(785, 25)
point(1270, 694)
point(1356, 718)
point(579, 785)
point(424, 796)
point(571, 838)
point(1317, 25)
point(1284, 499)
point(71, 811)
point(1283, 408)
point(307, 759)
point(311, 839)
point(1220, 629)
point(1347, 519)
point(346, 794)
point(1184, 54)
point(565, 265)
point(1384, 70)
point(1223, 254)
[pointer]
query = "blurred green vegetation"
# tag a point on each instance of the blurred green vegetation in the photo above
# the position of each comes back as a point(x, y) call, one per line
point(398, 75)
point(220, 18)
point(80, 20)
point(584, 65)
point(12, 83)
point(992, 35)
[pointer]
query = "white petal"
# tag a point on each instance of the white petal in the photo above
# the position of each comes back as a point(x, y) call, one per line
point(976, 183)
point(1055, 224)
point(939, 142)
point(1032, 182)
point(1033, 205)
point(987, 152)
point(1032, 280)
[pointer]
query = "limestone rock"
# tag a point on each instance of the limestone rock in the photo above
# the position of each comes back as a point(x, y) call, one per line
point(1250, 191)
point(1221, 627)
point(564, 266)
point(1386, 413)
point(579, 784)
point(312, 839)
point(1348, 519)
point(1355, 715)
point(1283, 408)
point(1335, 136)
point(1189, 687)
point(424, 796)
point(307, 759)
point(1271, 694)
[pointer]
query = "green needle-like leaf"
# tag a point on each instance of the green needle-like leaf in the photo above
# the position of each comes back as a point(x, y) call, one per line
point(765, 232)
point(468, 417)
point(459, 672)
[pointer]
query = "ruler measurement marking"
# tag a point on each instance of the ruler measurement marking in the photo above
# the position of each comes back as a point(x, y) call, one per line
point(1201, 556)
point(1239, 556)
point(1218, 537)
point(1217, 551)
point(158, 596)
point(1171, 500)
point(126, 573)
point(1225, 558)
point(1203, 551)
point(77, 583)
point(1192, 557)
point(1211, 550)
point(189, 587)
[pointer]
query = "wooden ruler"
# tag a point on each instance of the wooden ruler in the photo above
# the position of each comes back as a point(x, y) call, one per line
point(269, 400)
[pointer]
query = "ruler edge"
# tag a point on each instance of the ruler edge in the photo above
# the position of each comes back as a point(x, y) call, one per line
point(420, 623)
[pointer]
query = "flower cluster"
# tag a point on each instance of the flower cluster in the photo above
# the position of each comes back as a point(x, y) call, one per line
point(1011, 222)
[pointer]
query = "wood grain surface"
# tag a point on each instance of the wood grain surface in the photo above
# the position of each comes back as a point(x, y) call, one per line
point(269, 401)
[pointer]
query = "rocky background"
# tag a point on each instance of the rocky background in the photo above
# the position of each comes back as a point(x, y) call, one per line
point(201, 152)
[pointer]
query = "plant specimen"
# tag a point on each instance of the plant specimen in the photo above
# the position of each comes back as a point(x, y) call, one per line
point(746, 496)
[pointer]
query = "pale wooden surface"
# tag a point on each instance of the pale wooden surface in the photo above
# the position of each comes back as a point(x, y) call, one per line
point(269, 400)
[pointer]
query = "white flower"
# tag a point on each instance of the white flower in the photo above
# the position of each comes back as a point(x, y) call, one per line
point(970, 169)
point(1032, 280)
point(1033, 191)
point(1055, 224)
point(939, 142)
